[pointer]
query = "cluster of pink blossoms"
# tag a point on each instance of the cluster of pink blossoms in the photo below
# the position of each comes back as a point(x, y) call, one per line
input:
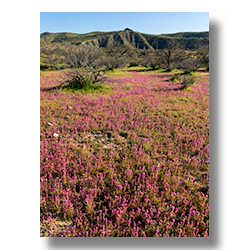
point(129, 162)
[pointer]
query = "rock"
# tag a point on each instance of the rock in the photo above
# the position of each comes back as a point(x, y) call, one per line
point(55, 135)
point(45, 33)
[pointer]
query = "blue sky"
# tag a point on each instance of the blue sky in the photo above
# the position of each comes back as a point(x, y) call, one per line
point(144, 22)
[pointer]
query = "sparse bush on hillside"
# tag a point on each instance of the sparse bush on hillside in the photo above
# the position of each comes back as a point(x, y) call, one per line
point(166, 58)
point(190, 65)
point(172, 53)
point(204, 57)
point(116, 56)
point(151, 60)
point(115, 63)
point(134, 58)
point(175, 78)
point(188, 81)
point(79, 56)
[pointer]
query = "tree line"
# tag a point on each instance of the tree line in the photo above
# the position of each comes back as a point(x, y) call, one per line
point(61, 56)
point(90, 64)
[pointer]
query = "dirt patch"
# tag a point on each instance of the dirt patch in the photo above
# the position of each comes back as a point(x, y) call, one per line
point(58, 224)
point(106, 139)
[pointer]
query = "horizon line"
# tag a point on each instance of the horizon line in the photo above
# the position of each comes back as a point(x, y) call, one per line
point(121, 30)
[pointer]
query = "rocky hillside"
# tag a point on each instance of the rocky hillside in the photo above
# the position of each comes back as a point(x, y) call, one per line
point(186, 40)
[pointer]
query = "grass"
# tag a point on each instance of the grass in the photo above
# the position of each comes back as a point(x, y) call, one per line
point(157, 70)
point(143, 68)
point(195, 74)
point(135, 68)
point(90, 88)
point(191, 73)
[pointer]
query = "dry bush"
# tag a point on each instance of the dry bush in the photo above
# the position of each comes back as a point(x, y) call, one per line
point(79, 78)
point(190, 65)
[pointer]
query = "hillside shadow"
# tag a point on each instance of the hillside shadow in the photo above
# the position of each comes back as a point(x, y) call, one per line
point(134, 70)
point(177, 89)
point(52, 88)
point(167, 89)
point(202, 71)
point(148, 70)
point(171, 90)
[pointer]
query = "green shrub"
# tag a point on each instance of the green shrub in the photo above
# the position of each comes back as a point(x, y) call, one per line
point(175, 78)
point(79, 78)
point(188, 81)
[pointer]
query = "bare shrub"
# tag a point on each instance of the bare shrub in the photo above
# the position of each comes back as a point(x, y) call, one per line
point(165, 58)
point(116, 56)
point(84, 64)
point(151, 59)
point(190, 65)
point(77, 56)
point(204, 57)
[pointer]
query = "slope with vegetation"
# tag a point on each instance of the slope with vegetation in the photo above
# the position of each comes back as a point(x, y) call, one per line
point(187, 40)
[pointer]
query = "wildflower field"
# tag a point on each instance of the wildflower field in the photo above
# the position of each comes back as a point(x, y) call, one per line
point(130, 159)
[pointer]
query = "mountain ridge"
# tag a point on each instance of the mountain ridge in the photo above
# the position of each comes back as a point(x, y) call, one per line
point(130, 38)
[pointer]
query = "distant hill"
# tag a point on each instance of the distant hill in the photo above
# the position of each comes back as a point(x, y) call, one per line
point(187, 40)
point(204, 34)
